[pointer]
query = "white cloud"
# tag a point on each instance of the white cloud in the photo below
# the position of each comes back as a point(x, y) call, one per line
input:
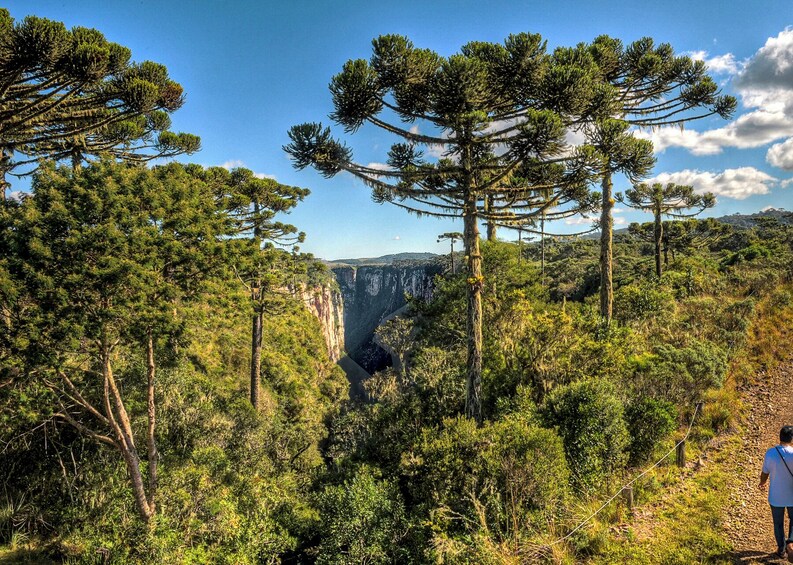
point(379, 166)
point(397, 238)
point(414, 129)
point(781, 155)
point(579, 221)
point(232, 164)
point(767, 79)
point(619, 221)
point(720, 64)
point(754, 129)
point(786, 183)
point(738, 183)
point(765, 85)
point(237, 163)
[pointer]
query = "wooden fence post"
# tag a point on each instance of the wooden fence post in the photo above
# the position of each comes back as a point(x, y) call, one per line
point(627, 492)
point(681, 454)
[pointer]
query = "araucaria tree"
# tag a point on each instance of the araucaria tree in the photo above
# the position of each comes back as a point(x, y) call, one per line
point(490, 109)
point(648, 87)
point(670, 200)
point(252, 204)
point(68, 94)
point(451, 237)
point(99, 266)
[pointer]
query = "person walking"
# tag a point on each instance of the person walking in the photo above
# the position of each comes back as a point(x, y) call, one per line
point(778, 467)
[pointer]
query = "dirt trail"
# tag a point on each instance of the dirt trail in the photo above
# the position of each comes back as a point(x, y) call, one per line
point(770, 406)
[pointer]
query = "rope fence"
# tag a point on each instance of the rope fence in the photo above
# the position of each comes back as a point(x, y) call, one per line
point(631, 483)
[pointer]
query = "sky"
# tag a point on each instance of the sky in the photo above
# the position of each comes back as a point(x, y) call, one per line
point(253, 69)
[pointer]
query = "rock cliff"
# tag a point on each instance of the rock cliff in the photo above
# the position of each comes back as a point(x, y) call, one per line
point(370, 294)
point(325, 302)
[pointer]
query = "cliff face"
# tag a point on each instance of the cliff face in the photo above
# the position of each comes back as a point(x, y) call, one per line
point(325, 302)
point(370, 294)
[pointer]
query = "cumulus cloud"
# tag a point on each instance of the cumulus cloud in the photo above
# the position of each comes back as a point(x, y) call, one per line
point(738, 183)
point(767, 79)
point(781, 155)
point(237, 163)
point(754, 129)
point(232, 164)
point(765, 85)
point(579, 221)
point(720, 64)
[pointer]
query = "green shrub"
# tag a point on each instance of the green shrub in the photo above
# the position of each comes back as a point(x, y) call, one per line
point(649, 421)
point(589, 418)
point(362, 521)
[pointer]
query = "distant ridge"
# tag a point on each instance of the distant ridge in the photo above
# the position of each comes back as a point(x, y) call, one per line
point(385, 259)
point(750, 220)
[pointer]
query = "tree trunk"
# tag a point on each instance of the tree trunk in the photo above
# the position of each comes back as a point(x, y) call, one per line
point(473, 397)
point(152, 445)
point(119, 421)
point(606, 253)
point(520, 245)
point(491, 224)
point(658, 233)
point(5, 167)
point(451, 255)
point(256, 357)
point(542, 248)
point(666, 254)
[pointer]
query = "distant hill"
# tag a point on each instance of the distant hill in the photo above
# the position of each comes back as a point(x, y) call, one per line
point(385, 259)
point(745, 221)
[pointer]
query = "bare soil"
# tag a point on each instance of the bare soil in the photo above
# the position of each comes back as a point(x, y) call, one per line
point(769, 403)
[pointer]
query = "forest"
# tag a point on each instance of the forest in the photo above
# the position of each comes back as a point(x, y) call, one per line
point(168, 396)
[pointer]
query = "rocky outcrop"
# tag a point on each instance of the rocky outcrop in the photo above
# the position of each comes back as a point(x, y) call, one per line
point(373, 292)
point(326, 303)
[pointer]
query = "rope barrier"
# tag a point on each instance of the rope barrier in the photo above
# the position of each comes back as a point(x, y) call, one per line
point(620, 491)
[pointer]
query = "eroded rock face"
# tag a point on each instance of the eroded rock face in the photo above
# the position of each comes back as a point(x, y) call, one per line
point(326, 303)
point(370, 294)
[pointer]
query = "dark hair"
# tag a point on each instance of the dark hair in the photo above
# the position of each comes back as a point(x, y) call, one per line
point(786, 434)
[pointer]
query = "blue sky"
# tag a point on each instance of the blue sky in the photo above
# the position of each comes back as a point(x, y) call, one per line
point(251, 70)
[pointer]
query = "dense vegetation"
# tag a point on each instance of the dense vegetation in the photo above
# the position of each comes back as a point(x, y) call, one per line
point(166, 397)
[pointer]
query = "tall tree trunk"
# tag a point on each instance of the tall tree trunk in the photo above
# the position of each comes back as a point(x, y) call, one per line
point(451, 255)
point(152, 445)
point(256, 357)
point(520, 245)
point(473, 396)
point(491, 224)
point(256, 321)
point(542, 247)
point(5, 167)
point(120, 423)
point(658, 233)
point(606, 253)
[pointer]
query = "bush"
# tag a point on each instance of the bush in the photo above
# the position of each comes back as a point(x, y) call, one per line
point(363, 521)
point(589, 418)
point(683, 374)
point(640, 302)
point(649, 421)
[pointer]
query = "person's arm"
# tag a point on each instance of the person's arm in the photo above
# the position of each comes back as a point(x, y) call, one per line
point(763, 480)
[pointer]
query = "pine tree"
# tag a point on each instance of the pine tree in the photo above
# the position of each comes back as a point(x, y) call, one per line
point(67, 94)
point(650, 87)
point(492, 108)
point(101, 263)
point(670, 200)
point(253, 204)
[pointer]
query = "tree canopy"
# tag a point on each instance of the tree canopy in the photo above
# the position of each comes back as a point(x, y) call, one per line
point(69, 94)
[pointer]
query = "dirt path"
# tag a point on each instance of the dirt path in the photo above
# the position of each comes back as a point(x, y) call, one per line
point(770, 406)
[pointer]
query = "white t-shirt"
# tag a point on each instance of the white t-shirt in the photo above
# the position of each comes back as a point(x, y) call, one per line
point(780, 488)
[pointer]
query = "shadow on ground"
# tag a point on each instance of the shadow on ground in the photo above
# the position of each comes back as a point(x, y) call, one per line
point(748, 557)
